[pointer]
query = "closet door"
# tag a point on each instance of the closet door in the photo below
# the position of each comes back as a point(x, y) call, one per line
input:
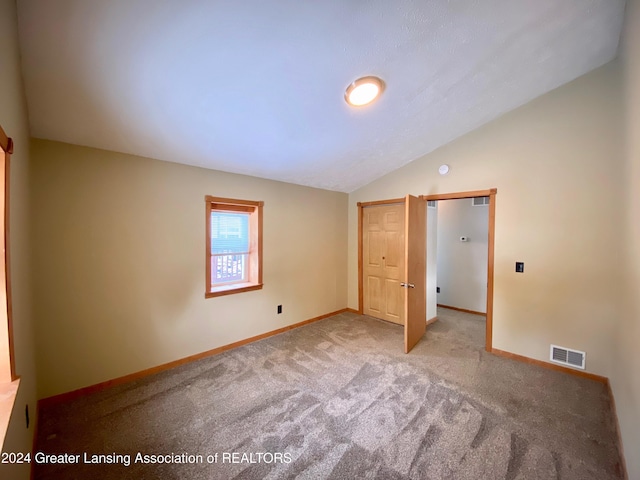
point(383, 262)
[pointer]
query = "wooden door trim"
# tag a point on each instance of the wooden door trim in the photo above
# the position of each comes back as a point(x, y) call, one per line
point(490, 260)
point(360, 265)
point(391, 201)
point(491, 193)
point(459, 195)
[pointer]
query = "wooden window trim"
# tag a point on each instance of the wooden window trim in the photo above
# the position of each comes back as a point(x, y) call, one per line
point(8, 390)
point(7, 146)
point(255, 210)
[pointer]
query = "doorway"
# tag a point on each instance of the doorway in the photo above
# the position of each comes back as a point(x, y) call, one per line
point(420, 324)
point(392, 263)
point(481, 199)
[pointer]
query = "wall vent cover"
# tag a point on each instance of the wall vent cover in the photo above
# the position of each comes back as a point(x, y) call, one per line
point(479, 201)
point(568, 357)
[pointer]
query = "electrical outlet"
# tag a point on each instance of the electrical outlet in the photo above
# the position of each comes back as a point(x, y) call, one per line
point(437, 289)
point(520, 267)
point(279, 309)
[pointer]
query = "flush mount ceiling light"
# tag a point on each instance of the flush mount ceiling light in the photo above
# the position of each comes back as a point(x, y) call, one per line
point(363, 91)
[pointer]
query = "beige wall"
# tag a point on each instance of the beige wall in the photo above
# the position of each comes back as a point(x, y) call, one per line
point(556, 164)
point(462, 266)
point(625, 377)
point(13, 118)
point(120, 269)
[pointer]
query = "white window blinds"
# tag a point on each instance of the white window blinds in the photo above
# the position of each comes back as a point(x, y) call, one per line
point(229, 233)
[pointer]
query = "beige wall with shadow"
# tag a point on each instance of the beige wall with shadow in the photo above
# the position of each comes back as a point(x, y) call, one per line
point(119, 267)
point(556, 163)
point(14, 121)
point(625, 374)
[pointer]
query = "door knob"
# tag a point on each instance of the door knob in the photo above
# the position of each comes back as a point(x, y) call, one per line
point(407, 285)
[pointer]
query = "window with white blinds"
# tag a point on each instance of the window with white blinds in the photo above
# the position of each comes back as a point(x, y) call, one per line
point(234, 245)
point(229, 246)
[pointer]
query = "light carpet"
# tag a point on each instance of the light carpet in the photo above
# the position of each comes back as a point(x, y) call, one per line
point(338, 399)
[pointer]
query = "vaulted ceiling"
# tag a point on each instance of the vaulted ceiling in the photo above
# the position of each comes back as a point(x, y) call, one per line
point(257, 86)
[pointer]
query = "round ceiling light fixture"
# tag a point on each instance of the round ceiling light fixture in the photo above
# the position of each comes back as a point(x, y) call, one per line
point(363, 91)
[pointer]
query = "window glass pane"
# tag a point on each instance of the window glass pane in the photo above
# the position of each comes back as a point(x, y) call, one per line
point(228, 268)
point(229, 232)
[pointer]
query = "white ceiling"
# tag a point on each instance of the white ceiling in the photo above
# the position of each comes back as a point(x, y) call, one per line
point(256, 87)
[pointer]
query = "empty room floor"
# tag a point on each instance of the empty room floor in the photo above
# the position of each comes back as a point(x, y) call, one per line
point(338, 399)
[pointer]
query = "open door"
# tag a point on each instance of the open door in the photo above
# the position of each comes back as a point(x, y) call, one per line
point(415, 265)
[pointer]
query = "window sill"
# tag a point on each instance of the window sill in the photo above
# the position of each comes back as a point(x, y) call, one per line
point(8, 393)
point(234, 288)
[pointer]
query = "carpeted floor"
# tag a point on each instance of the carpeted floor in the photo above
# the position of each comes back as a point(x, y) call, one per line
point(338, 399)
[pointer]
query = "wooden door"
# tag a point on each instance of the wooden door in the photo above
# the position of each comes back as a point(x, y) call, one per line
point(383, 261)
point(415, 268)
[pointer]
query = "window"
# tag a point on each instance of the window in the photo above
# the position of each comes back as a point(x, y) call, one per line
point(234, 246)
point(9, 381)
point(7, 365)
point(431, 204)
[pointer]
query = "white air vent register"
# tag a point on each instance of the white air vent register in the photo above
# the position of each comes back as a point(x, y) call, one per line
point(479, 201)
point(568, 357)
